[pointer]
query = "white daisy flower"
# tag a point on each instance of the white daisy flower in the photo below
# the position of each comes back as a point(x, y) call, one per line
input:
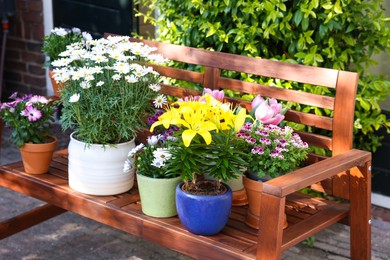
point(59, 31)
point(74, 98)
point(128, 165)
point(131, 79)
point(116, 77)
point(162, 154)
point(155, 87)
point(100, 83)
point(85, 84)
point(135, 150)
point(157, 163)
point(159, 101)
point(153, 140)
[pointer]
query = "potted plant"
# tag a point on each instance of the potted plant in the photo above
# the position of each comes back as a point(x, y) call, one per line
point(56, 42)
point(206, 153)
point(156, 184)
point(106, 96)
point(273, 151)
point(30, 118)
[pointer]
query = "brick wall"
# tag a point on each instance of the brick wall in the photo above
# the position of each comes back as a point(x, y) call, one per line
point(23, 68)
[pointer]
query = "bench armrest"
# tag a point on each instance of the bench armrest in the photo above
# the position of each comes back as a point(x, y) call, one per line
point(304, 177)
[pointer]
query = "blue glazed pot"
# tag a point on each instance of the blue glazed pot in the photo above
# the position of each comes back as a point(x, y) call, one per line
point(202, 214)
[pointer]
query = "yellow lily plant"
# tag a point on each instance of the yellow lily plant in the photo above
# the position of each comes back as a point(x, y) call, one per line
point(205, 142)
point(201, 117)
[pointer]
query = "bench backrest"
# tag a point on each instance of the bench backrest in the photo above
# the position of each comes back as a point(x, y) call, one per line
point(341, 103)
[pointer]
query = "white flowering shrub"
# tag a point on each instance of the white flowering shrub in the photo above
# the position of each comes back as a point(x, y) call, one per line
point(107, 88)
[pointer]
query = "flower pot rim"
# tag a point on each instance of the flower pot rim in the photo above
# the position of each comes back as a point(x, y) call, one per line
point(104, 145)
point(29, 144)
point(159, 179)
point(228, 190)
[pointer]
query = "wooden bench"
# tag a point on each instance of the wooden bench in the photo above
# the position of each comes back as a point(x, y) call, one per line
point(345, 175)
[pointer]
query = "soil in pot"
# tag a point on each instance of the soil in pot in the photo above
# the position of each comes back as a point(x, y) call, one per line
point(204, 187)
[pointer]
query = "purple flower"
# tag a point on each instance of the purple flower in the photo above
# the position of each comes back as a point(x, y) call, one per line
point(276, 154)
point(247, 126)
point(32, 113)
point(14, 95)
point(251, 140)
point(265, 141)
point(38, 99)
point(257, 150)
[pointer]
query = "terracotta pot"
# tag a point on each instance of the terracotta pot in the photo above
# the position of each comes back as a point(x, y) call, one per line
point(254, 189)
point(56, 86)
point(37, 157)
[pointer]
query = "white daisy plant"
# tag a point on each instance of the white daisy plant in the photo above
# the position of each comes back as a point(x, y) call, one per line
point(150, 159)
point(113, 86)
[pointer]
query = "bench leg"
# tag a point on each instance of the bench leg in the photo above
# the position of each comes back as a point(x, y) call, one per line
point(28, 219)
point(270, 227)
point(360, 212)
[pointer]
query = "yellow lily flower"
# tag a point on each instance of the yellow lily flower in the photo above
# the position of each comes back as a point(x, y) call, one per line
point(170, 117)
point(201, 117)
point(196, 121)
point(240, 120)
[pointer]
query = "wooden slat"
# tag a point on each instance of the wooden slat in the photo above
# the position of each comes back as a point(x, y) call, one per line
point(28, 219)
point(316, 140)
point(313, 224)
point(304, 177)
point(177, 91)
point(343, 122)
point(278, 93)
point(360, 216)
point(256, 66)
point(271, 227)
point(180, 74)
point(312, 120)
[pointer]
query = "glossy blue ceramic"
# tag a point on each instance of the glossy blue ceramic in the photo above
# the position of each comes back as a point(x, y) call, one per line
point(202, 214)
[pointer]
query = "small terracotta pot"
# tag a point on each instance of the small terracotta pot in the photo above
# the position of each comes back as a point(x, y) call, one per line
point(254, 190)
point(37, 157)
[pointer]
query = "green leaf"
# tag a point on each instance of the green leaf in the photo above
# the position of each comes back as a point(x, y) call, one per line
point(305, 23)
point(327, 6)
point(365, 105)
point(337, 8)
point(297, 17)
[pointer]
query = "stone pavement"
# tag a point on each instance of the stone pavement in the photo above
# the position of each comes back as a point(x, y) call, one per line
point(70, 236)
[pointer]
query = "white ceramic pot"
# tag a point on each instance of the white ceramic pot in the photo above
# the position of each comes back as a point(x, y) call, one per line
point(98, 170)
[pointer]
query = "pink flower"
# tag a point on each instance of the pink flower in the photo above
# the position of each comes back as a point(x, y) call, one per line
point(267, 111)
point(217, 94)
point(257, 101)
point(39, 99)
point(32, 113)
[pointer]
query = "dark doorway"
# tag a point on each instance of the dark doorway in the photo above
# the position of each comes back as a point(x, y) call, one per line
point(381, 165)
point(96, 16)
